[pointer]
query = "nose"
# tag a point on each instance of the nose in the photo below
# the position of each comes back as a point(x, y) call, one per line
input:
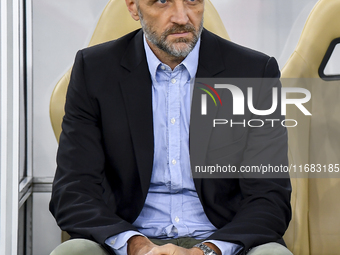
point(179, 13)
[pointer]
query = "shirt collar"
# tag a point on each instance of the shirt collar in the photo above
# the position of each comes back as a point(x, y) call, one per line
point(190, 62)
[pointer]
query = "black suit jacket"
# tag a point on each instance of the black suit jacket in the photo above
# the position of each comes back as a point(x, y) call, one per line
point(105, 155)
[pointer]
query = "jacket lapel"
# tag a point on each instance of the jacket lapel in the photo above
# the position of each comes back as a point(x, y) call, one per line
point(136, 89)
point(209, 66)
point(210, 62)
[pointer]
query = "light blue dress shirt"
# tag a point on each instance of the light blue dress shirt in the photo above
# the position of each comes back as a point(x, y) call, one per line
point(172, 208)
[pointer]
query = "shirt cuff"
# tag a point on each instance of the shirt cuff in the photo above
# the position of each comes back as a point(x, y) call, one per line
point(119, 242)
point(226, 248)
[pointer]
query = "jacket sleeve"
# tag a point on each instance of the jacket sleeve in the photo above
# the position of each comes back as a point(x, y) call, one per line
point(78, 202)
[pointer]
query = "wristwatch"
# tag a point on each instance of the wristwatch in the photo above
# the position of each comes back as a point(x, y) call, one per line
point(206, 250)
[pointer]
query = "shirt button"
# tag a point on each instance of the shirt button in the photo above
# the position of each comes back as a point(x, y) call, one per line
point(163, 67)
point(177, 219)
point(173, 162)
point(113, 241)
point(173, 121)
point(173, 81)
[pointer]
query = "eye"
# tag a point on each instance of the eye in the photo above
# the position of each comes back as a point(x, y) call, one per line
point(162, 1)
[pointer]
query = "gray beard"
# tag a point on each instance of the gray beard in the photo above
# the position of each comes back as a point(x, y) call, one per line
point(168, 47)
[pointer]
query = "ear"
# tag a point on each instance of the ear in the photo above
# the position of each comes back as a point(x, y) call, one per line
point(132, 7)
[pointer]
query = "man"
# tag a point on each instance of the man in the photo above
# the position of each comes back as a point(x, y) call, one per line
point(123, 178)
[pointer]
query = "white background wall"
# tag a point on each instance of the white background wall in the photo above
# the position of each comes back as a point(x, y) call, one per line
point(62, 27)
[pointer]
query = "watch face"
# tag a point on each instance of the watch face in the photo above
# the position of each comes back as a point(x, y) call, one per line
point(206, 250)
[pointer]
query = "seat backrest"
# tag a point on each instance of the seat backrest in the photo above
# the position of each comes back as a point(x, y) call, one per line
point(115, 22)
point(315, 227)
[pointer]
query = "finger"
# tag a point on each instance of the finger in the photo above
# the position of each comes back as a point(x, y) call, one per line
point(167, 249)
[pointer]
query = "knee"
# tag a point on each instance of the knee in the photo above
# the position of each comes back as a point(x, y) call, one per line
point(270, 249)
point(79, 247)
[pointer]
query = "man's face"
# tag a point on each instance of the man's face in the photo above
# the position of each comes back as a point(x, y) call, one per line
point(173, 26)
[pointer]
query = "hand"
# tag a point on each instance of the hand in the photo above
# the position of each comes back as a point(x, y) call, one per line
point(171, 249)
point(139, 245)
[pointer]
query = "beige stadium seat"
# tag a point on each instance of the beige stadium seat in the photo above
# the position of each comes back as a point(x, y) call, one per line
point(315, 227)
